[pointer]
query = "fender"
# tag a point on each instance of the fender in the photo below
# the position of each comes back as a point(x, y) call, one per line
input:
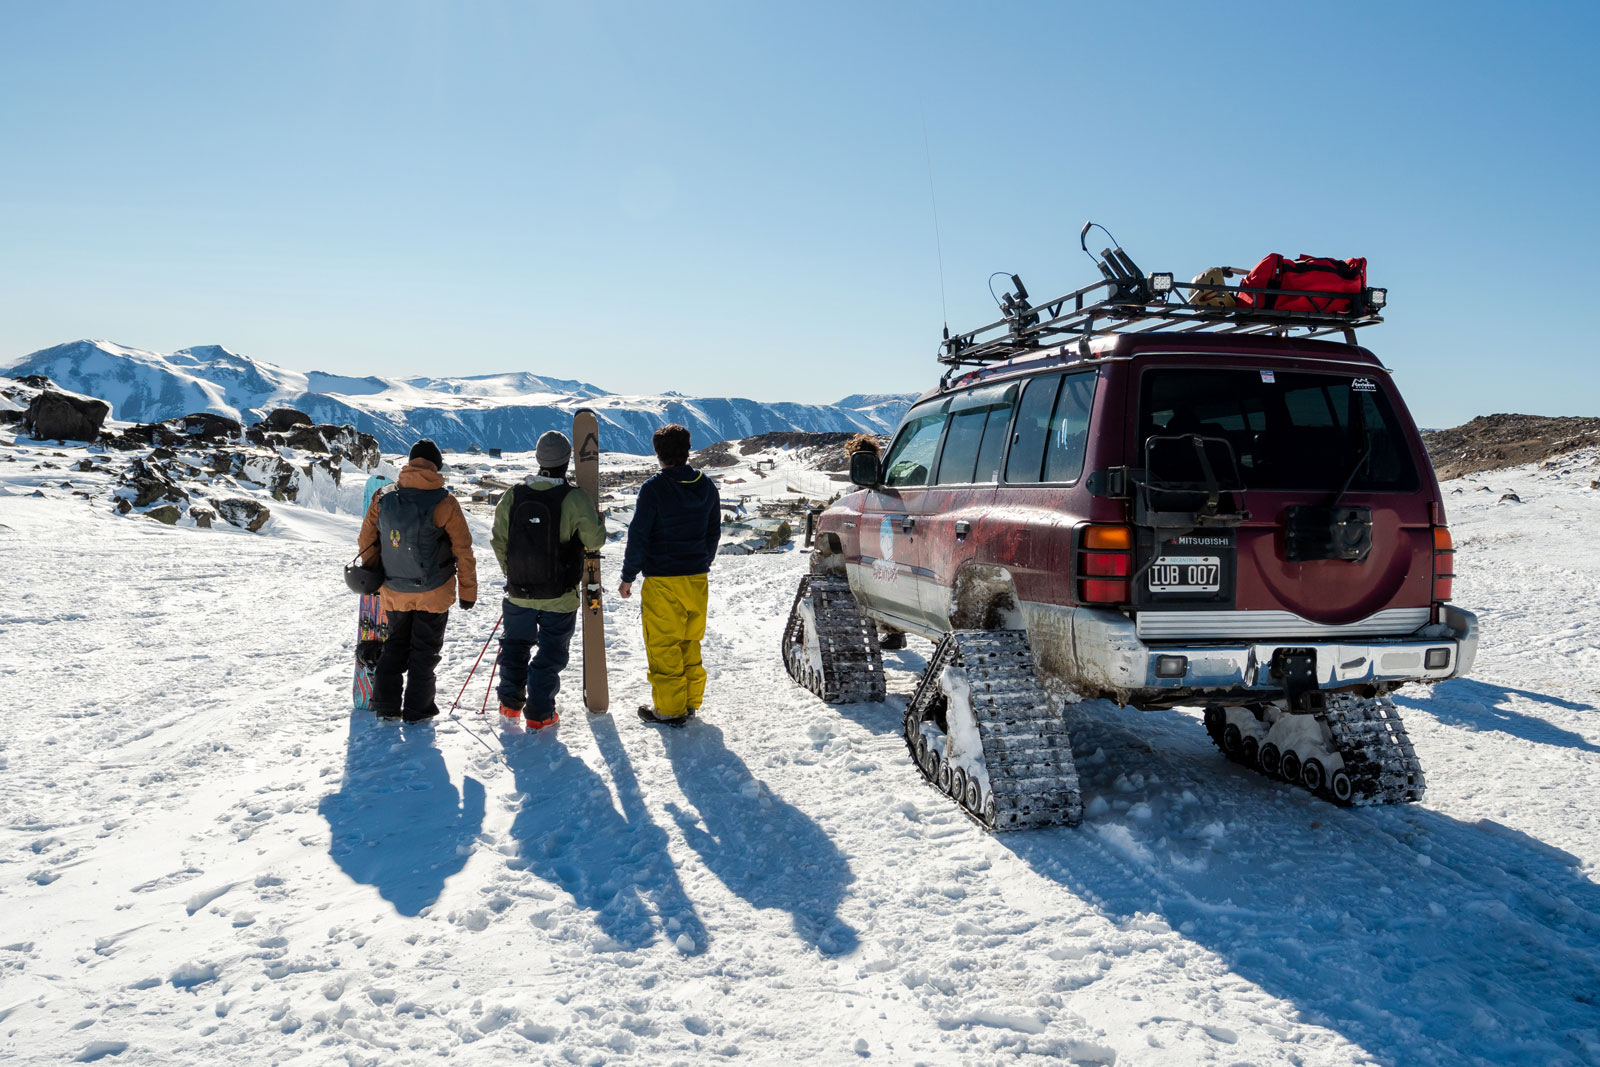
point(983, 597)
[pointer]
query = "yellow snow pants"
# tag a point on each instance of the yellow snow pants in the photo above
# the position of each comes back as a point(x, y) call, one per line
point(674, 610)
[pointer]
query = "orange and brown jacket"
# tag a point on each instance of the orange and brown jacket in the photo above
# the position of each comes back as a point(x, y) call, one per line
point(421, 474)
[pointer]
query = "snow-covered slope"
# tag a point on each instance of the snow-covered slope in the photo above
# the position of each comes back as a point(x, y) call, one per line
point(506, 411)
point(205, 857)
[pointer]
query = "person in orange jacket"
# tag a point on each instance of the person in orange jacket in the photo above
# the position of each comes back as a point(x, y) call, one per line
point(420, 533)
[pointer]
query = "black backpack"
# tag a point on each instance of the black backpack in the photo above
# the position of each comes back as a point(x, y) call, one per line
point(539, 565)
point(417, 555)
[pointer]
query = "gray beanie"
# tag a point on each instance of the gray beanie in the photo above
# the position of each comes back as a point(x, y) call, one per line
point(553, 450)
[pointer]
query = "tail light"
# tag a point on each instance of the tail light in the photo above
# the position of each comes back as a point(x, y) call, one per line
point(1444, 563)
point(1105, 564)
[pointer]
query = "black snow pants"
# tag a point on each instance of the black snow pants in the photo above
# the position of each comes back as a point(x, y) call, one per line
point(410, 653)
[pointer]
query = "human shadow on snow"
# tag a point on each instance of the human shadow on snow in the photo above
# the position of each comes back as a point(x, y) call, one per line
point(764, 849)
point(397, 822)
point(1477, 705)
point(570, 833)
point(1421, 938)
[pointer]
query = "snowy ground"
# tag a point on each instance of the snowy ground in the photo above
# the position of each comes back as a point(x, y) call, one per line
point(204, 855)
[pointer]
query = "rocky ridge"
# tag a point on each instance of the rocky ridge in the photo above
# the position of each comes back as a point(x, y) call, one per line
point(194, 470)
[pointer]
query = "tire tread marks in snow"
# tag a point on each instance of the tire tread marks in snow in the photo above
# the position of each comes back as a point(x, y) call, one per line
point(1027, 752)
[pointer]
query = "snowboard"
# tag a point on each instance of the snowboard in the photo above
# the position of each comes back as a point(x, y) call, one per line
point(586, 472)
point(371, 626)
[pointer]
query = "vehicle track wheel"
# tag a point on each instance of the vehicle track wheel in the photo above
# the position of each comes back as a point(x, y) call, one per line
point(1312, 776)
point(1339, 785)
point(1269, 758)
point(991, 810)
point(910, 726)
point(930, 766)
point(922, 750)
point(958, 785)
point(946, 777)
point(1232, 739)
point(1289, 766)
point(1249, 750)
point(974, 797)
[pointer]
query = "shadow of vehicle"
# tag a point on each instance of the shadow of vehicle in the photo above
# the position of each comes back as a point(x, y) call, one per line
point(613, 863)
point(763, 849)
point(1422, 938)
point(397, 822)
point(1476, 705)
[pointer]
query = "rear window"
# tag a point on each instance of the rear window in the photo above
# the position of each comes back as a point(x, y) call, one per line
point(1287, 430)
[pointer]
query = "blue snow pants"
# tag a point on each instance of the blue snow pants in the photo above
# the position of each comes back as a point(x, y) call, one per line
point(547, 635)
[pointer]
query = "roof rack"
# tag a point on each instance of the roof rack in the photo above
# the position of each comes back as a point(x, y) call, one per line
point(1126, 300)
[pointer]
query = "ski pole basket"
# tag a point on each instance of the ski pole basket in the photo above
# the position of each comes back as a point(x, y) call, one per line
point(1127, 300)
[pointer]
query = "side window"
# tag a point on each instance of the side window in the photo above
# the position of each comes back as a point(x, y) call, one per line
point(994, 439)
point(911, 458)
point(961, 446)
point(1069, 428)
point(977, 419)
point(1032, 430)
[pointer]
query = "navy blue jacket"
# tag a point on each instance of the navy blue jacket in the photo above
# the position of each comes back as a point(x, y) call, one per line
point(676, 527)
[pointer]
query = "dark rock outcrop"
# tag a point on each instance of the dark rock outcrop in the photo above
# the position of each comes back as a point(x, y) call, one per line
point(282, 420)
point(147, 482)
point(53, 416)
point(244, 513)
point(209, 427)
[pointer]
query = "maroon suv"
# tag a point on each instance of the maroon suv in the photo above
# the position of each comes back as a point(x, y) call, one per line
point(1243, 521)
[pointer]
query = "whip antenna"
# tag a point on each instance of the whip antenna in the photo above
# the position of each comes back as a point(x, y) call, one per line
point(938, 243)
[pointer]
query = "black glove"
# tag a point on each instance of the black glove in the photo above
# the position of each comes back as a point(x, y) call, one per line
point(466, 605)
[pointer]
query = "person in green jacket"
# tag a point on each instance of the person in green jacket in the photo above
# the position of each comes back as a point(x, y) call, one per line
point(541, 529)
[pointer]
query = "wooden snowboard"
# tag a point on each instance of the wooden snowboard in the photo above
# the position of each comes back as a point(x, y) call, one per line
point(586, 472)
point(372, 626)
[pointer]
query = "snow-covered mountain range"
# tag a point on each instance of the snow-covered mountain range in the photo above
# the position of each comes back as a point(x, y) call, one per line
point(507, 411)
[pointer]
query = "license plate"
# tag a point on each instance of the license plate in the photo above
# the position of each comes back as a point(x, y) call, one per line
point(1186, 574)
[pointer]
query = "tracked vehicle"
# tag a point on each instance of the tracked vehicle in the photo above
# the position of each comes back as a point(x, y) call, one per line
point(1146, 491)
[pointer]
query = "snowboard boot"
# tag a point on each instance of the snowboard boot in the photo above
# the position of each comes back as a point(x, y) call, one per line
point(540, 724)
point(650, 715)
point(510, 714)
point(892, 641)
point(433, 710)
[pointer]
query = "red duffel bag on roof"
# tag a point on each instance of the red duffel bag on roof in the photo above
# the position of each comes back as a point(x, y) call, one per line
point(1309, 274)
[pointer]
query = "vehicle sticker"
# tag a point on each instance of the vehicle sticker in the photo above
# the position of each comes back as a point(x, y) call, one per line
point(1269, 376)
point(883, 567)
point(1363, 385)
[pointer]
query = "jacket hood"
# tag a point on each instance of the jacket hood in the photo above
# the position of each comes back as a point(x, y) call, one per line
point(420, 474)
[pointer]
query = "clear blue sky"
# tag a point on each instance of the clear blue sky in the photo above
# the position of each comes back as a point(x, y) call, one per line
point(734, 198)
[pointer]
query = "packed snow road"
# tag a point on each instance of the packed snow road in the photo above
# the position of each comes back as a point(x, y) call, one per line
point(203, 854)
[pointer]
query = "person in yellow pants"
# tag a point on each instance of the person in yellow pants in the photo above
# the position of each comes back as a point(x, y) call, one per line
point(672, 541)
point(674, 610)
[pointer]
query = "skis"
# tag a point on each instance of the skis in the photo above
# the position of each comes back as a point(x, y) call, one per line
point(586, 472)
point(371, 625)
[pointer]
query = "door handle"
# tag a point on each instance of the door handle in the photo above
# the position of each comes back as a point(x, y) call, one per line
point(963, 527)
point(907, 522)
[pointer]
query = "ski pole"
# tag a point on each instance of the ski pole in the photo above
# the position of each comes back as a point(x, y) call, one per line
point(457, 701)
point(488, 689)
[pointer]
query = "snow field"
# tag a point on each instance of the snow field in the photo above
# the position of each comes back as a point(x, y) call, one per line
point(203, 853)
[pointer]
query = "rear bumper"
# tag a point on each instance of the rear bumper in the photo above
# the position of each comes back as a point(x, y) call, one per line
point(1108, 652)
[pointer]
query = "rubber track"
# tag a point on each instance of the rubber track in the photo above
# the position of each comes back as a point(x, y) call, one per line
point(1377, 752)
point(1026, 748)
point(852, 665)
